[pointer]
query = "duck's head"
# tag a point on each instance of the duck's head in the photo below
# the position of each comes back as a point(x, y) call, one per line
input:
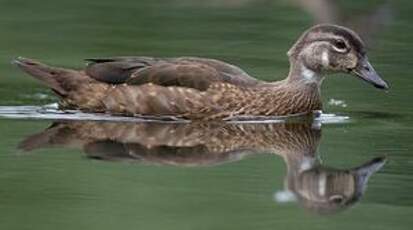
point(332, 49)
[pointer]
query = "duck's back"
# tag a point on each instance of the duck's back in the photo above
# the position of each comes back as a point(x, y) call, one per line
point(189, 72)
point(166, 86)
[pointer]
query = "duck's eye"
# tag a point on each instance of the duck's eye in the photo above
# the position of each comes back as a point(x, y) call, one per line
point(340, 45)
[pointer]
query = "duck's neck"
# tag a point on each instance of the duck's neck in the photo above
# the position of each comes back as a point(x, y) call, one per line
point(301, 74)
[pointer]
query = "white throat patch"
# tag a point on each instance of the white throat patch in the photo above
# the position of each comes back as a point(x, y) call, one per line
point(308, 75)
point(325, 59)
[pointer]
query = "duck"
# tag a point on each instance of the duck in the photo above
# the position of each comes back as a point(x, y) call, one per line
point(198, 88)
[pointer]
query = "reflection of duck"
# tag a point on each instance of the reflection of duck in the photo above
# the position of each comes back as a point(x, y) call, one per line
point(199, 88)
point(175, 143)
point(198, 144)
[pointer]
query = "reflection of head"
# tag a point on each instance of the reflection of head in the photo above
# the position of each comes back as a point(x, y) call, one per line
point(326, 190)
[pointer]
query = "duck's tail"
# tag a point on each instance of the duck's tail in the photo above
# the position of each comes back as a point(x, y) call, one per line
point(53, 77)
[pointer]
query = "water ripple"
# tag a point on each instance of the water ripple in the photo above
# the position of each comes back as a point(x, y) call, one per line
point(51, 112)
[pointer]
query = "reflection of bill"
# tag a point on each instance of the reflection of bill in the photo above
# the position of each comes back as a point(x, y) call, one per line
point(316, 187)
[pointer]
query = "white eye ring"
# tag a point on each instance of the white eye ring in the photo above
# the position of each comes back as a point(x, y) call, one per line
point(340, 46)
point(340, 50)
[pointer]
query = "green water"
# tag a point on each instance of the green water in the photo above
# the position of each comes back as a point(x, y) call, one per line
point(67, 188)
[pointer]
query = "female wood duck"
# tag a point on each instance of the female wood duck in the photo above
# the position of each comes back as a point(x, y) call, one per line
point(200, 88)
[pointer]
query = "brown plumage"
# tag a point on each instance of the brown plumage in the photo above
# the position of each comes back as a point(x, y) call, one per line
point(200, 88)
point(316, 187)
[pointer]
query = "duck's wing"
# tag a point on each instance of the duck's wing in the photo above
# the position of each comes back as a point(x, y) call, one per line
point(197, 73)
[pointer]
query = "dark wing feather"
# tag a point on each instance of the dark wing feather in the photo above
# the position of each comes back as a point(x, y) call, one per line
point(197, 73)
point(192, 75)
point(116, 70)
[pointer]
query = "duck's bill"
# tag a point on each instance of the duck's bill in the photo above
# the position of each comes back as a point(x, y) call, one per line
point(365, 71)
